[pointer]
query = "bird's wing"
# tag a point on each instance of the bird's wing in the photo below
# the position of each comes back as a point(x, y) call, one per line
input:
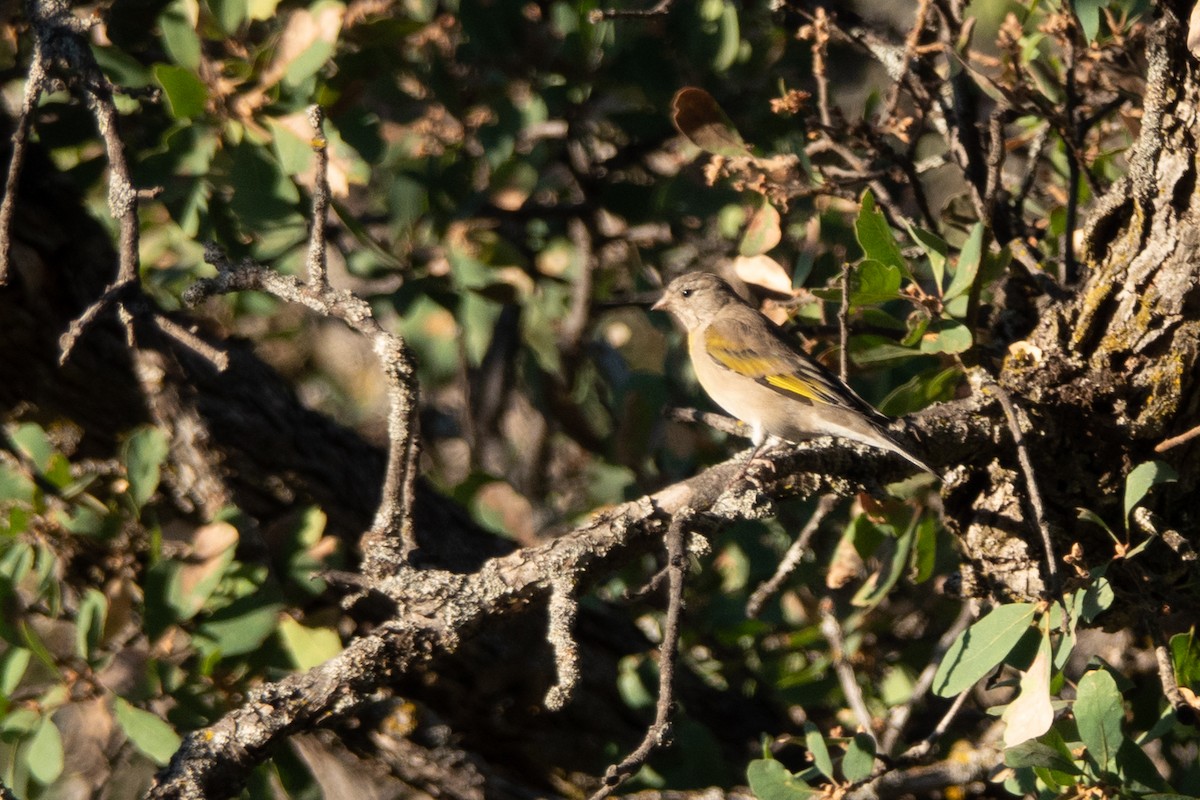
point(757, 350)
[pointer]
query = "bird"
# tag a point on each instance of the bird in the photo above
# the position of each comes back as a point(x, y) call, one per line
point(746, 364)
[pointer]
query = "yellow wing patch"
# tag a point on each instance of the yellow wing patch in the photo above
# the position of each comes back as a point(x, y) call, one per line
point(794, 385)
point(789, 376)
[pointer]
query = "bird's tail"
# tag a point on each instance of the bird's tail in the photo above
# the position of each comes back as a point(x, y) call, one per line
point(888, 442)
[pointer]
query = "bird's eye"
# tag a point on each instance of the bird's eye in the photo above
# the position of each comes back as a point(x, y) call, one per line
point(686, 293)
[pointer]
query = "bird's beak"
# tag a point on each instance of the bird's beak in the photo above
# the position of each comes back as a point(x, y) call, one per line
point(660, 305)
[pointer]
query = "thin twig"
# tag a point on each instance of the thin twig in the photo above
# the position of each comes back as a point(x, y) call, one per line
point(922, 748)
point(1031, 484)
point(791, 559)
point(910, 49)
point(60, 38)
point(718, 422)
point(563, 609)
point(820, 45)
point(391, 533)
point(1036, 148)
point(898, 717)
point(995, 170)
point(1069, 268)
point(1175, 441)
point(962, 769)
point(1166, 674)
point(317, 251)
point(844, 325)
point(575, 324)
point(659, 731)
point(1184, 710)
point(831, 629)
point(172, 329)
point(657, 10)
point(34, 85)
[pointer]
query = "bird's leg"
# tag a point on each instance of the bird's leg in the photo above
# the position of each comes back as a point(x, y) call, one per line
point(760, 440)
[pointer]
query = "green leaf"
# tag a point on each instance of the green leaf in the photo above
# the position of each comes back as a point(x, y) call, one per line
point(186, 94)
point(967, 267)
point(763, 232)
point(15, 485)
point(935, 249)
point(31, 440)
point(770, 780)
point(1098, 714)
point(946, 336)
point(264, 198)
point(875, 589)
point(12, 669)
point(44, 754)
point(1142, 479)
point(242, 626)
point(20, 721)
point(859, 760)
point(870, 348)
point(1097, 598)
point(89, 622)
point(308, 647)
point(1034, 753)
point(922, 390)
point(143, 455)
point(1185, 656)
point(1088, 515)
point(321, 29)
point(1088, 12)
point(230, 14)
point(981, 647)
point(148, 733)
point(926, 549)
point(730, 38)
point(875, 236)
point(818, 750)
point(178, 25)
point(874, 282)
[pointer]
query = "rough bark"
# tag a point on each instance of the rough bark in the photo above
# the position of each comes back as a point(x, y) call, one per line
point(1110, 371)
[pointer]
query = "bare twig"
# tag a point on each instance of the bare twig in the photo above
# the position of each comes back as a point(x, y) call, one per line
point(844, 325)
point(1036, 148)
point(831, 629)
point(995, 167)
point(1150, 524)
point(962, 769)
point(910, 50)
point(820, 46)
point(35, 83)
point(1166, 674)
point(169, 327)
point(318, 273)
point(391, 536)
point(1175, 441)
point(898, 717)
point(575, 324)
point(718, 422)
point(1070, 270)
point(791, 559)
point(922, 748)
point(659, 731)
point(659, 9)
point(59, 39)
point(1031, 484)
point(564, 608)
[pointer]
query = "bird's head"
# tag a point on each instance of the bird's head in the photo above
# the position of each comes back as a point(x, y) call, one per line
point(695, 298)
